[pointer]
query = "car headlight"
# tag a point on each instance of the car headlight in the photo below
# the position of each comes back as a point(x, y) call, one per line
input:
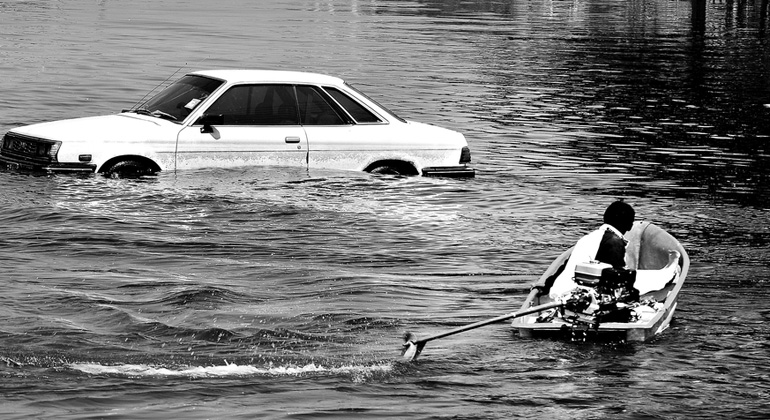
point(53, 150)
point(30, 147)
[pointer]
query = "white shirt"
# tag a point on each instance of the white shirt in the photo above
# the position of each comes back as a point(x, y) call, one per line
point(585, 250)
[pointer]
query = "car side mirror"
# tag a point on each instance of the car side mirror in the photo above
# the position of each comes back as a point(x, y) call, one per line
point(209, 120)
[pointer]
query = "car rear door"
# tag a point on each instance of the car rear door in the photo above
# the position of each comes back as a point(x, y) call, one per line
point(250, 124)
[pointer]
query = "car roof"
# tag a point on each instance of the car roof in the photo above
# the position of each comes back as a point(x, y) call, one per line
point(275, 76)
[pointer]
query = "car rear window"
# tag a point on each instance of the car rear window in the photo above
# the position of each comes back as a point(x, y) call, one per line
point(355, 109)
point(362, 94)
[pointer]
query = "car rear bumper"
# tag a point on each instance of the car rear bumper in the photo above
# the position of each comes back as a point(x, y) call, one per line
point(449, 171)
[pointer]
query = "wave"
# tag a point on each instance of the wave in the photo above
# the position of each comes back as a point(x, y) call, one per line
point(202, 295)
point(229, 370)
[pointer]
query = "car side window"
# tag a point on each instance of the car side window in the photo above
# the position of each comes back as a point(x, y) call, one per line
point(257, 105)
point(314, 109)
point(353, 107)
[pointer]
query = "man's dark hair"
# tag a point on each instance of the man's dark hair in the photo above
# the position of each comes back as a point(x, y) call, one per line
point(620, 215)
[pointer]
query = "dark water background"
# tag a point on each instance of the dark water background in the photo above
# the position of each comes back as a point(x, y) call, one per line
point(283, 293)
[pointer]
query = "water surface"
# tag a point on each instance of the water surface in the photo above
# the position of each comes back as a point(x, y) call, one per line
point(283, 293)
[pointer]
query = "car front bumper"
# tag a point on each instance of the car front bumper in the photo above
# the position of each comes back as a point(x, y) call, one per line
point(11, 163)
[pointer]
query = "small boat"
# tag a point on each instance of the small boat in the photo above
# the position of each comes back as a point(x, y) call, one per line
point(651, 252)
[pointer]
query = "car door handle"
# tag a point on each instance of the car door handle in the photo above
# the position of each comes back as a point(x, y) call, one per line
point(292, 139)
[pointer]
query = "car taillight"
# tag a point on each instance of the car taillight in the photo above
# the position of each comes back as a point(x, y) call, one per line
point(465, 155)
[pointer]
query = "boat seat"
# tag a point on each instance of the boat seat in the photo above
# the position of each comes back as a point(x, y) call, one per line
point(648, 247)
point(654, 255)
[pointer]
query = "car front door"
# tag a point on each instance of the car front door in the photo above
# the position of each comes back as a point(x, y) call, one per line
point(254, 124)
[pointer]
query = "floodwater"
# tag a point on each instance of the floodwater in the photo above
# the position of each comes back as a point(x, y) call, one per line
point(283, 293)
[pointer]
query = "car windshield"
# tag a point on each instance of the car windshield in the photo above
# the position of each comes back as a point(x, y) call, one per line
point(177, 101)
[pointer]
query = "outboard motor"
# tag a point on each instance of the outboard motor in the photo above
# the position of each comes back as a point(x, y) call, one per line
point(606, 289)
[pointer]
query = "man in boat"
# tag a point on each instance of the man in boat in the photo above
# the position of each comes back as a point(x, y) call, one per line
point(606, 244)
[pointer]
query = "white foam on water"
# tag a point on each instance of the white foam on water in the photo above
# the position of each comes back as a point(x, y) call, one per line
point(227, 370)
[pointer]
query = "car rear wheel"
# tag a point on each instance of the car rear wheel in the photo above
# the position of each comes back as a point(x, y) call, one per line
point(392, 168)
point(129, 169)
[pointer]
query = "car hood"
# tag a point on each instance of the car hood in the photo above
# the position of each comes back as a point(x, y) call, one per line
point(124, 127)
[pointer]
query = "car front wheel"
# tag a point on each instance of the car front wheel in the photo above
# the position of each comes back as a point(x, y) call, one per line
point(129, 169)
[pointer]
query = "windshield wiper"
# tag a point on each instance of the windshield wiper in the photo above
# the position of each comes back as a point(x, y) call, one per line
point(157, 113)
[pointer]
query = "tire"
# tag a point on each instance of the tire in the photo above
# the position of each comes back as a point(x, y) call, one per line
point(129, 169)
point(385, 170)
point(393, 168)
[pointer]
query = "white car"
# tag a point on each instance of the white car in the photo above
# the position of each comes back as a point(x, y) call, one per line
point(229, 118)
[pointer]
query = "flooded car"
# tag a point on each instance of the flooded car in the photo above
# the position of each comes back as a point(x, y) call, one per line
point(229, 118)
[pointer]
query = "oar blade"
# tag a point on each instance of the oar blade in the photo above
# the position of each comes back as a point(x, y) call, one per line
point(411, 347)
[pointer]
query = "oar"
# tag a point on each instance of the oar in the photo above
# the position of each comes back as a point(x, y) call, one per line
point(413, 348)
